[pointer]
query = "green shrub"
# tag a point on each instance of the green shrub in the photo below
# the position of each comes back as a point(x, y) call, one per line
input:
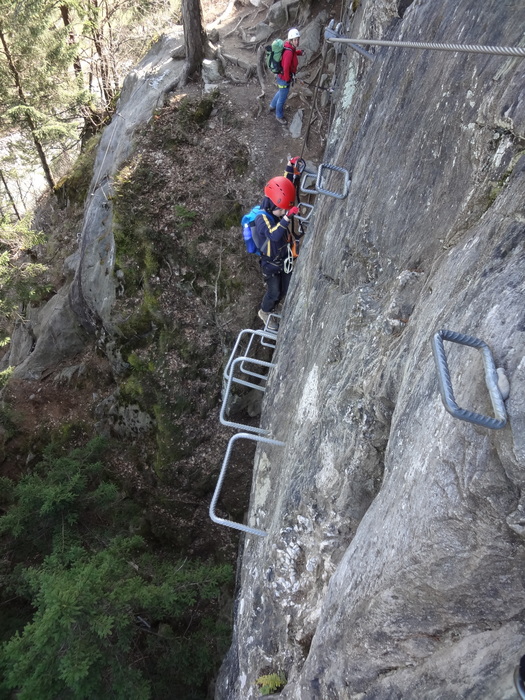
point(73, 188)
point(271, 683)
point(100, 614)
point(21, 280)
point(94, 609)
point(57, 492)
point(4, 376)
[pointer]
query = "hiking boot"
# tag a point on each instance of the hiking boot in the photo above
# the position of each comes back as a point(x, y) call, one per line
point(271, 109)
point(282, 120)
point(269, 323)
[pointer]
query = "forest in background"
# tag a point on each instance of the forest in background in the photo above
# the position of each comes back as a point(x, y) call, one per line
point(62, 64)
point(61, 69)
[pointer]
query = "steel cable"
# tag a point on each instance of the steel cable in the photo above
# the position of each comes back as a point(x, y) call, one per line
point(462, 48)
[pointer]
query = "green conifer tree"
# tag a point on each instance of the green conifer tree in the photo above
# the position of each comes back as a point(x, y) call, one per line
point(21, 280)
point(39, 93)
point(111, 615)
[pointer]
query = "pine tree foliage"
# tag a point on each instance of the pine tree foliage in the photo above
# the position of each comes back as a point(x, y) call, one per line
point(21, 280)
point(89, 606)
point(62, 65)
point(61, 488)
point(34, 52)
point(113, 617)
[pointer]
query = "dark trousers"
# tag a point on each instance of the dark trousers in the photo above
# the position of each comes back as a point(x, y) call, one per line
point(277, 284)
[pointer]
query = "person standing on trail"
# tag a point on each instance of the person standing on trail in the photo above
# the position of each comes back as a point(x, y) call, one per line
point(275, 238)
point(286, 77)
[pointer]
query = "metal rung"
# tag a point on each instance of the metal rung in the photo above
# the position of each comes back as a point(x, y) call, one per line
point(308, 179)
point(220, 480)
point(263, 335)
point(269, 342)
point(491, 380)
point(240, 360)
point(247, 354)
point(272, 334)
point(334, 168)
point(310, 210)
point(233, 379)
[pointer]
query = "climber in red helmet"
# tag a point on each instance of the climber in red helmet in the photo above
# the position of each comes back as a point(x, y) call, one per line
point(274, 238)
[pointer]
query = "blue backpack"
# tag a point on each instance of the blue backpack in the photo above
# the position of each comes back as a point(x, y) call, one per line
point(248, 231)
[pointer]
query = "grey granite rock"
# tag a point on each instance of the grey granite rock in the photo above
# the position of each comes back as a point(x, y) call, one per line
point(84, 306)
point(393, 566)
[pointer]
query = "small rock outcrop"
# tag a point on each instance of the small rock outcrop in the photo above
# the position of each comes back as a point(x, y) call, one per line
point(83, 307)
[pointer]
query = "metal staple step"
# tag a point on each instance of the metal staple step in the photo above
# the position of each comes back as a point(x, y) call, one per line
point(322, 176)
point(218, 487)
point(234, 380)
point(445, 382)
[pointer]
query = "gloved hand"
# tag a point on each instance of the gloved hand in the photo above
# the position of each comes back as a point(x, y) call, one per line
point(298, 165)
point(292, 212)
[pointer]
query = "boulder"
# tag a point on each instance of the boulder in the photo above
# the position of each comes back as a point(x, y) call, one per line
point(211, 71)
point(84, 305)
point(297, 124)
point(282, 13)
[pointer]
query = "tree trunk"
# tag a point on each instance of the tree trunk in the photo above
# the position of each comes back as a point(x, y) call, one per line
point(194, 39)
point(64, 11)
point(100, 47)
point(11, 199)
point(24, 103)
point(92, 119)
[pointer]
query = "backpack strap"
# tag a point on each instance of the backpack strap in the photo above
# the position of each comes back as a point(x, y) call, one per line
point(268, 244)
point(285, 48)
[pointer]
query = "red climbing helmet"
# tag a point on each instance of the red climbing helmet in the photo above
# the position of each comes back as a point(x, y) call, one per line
point(281, 191)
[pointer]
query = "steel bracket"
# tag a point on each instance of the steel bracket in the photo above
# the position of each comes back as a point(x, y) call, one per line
point(321, 175)
point(222, 474)
point(445, 382)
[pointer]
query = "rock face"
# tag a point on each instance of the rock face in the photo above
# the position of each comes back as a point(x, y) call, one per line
point(393, 565)
point(61, 328)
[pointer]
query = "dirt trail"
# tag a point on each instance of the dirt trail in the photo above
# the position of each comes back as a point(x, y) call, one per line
point(270, 144)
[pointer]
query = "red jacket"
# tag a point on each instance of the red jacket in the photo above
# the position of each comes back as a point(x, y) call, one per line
point(289, 61)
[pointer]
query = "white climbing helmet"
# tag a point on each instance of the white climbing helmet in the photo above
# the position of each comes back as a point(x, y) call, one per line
point(293, 34)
